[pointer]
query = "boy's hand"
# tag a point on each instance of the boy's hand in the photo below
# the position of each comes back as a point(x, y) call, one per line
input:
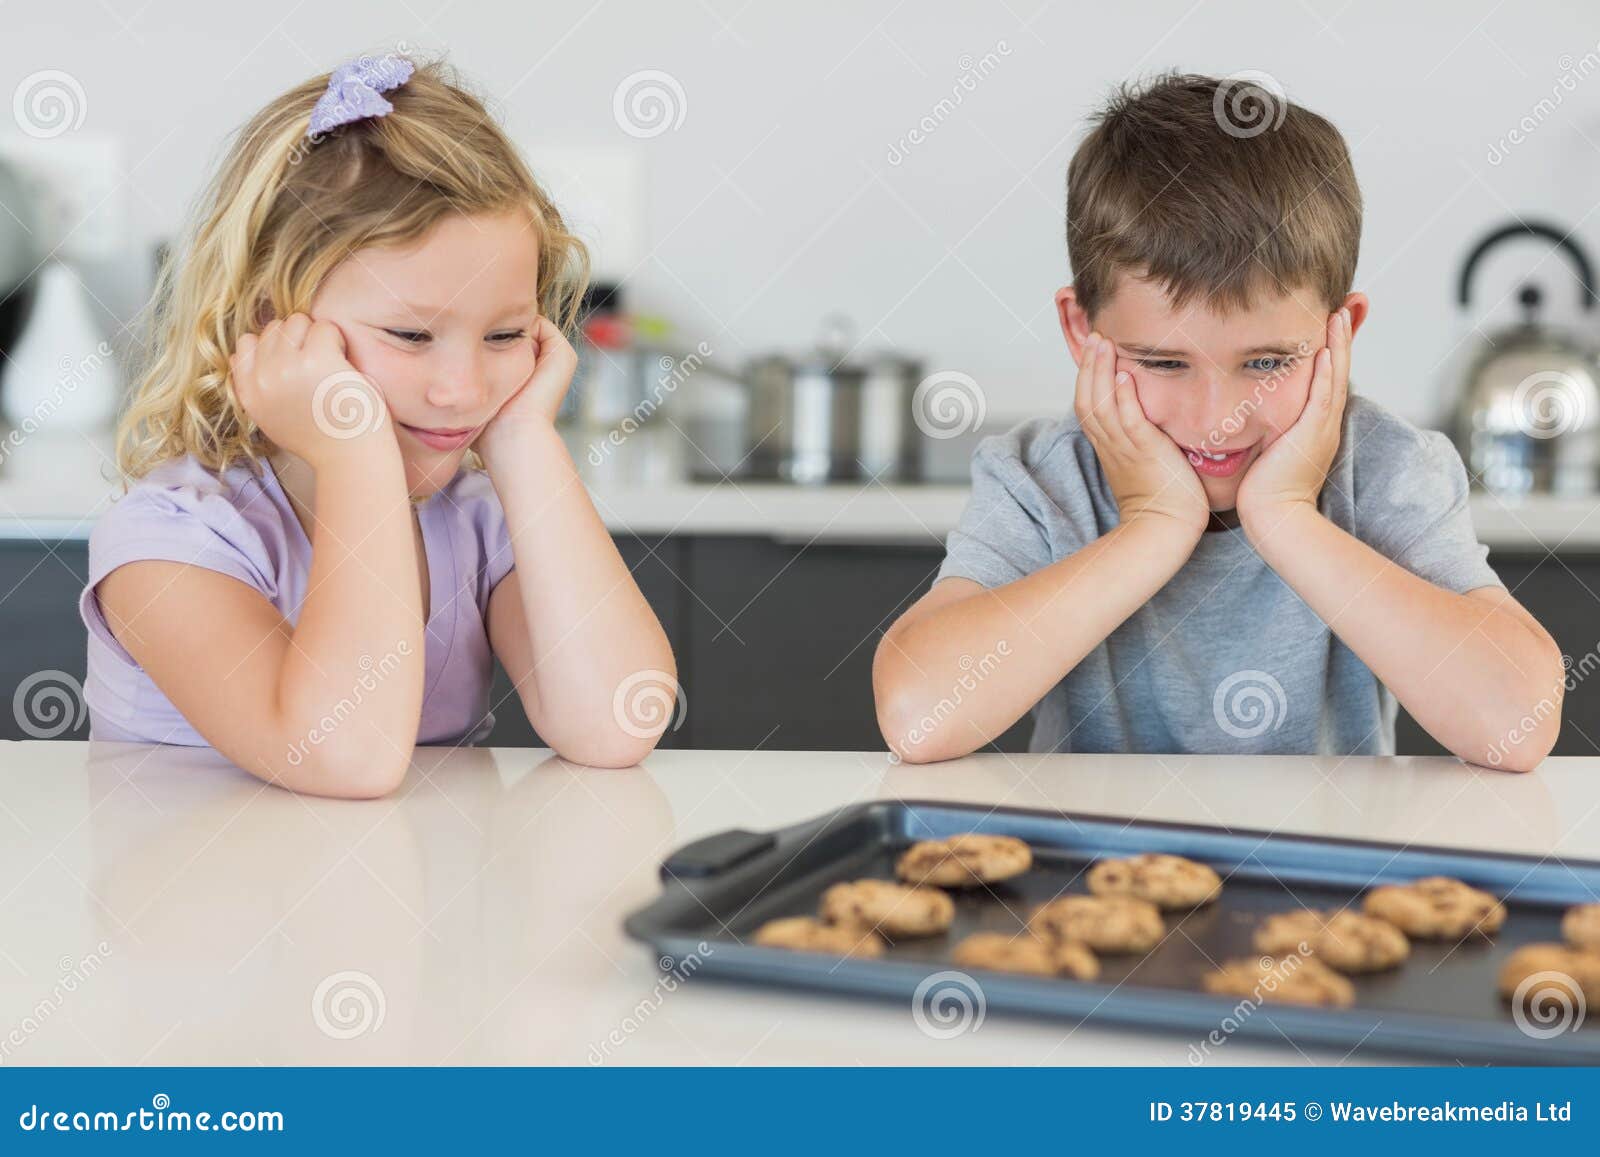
point(1147, 472)
point(1292, 470)
point(538, 400)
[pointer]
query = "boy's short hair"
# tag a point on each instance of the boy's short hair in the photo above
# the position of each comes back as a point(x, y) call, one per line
point(1213, 187)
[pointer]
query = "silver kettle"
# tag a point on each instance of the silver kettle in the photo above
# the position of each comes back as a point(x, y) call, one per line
point(1527, 418)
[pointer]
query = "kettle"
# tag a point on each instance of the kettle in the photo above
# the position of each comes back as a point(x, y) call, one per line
point(1527, 419)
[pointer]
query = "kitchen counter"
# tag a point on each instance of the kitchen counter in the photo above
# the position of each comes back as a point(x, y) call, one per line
point(54, 486)
point(163, 908)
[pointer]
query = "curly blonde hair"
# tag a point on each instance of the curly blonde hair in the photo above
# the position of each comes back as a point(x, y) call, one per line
point(283, 211)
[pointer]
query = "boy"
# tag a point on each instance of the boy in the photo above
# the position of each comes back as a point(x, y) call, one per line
point(1225, 551)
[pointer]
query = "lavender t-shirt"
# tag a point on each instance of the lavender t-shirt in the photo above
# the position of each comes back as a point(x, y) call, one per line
point(242, 525)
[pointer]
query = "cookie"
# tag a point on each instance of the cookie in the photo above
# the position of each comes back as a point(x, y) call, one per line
point(1290, 980)
point(1104, 923)
point(1166, 881)
point(1436, 908)
point(804, 934)
point(1344, 940)
point(895, 910)
point(1562, 972)
point(964, 861)
point(1026, 952)
point(1581, 926)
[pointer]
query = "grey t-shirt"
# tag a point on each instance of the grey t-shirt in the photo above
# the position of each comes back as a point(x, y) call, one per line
point(1225, 657)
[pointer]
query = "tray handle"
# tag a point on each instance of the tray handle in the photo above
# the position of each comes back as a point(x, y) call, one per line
point(710, 855)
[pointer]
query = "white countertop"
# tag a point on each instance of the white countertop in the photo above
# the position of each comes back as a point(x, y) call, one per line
point(54, 486)
point(197, 912)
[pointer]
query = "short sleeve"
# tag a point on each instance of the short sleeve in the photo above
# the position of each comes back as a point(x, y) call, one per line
point(1411, 506)
point(171, 524)
point(1002, 535)
point(473, 500)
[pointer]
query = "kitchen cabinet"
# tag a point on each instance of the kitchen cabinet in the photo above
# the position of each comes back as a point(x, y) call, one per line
point(774, 638)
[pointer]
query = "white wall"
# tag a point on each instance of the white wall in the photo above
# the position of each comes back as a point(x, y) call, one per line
point(775, 202)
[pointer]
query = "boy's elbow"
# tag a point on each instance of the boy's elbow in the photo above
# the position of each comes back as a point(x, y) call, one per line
point(904, 727)
point(1523, 744)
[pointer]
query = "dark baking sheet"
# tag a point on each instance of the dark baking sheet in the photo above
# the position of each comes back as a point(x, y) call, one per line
point(1443, 1002)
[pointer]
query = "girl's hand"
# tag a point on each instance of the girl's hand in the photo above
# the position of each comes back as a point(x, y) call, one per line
point(1292, 470)
point(537, 400)
point(296, 384)
point(1147, 472)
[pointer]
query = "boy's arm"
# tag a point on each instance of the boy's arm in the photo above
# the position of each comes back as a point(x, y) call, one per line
point(966, 662)
point(1468, 667)
point(1476, 670)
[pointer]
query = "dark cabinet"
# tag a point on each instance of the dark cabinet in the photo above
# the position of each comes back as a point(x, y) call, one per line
point(778, 651)
point(1563, 593)
point(774, 639)
point(43, 657)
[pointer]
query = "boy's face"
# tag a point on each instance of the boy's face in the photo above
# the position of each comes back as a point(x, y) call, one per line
point(1225, 384)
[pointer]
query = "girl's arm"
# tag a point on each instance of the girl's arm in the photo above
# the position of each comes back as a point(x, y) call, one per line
point(330, 706)
point(587, 655)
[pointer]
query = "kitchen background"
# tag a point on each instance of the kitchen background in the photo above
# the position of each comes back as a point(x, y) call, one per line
point(826, 239)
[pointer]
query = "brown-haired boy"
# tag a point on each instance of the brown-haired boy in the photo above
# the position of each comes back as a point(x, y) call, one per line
point(1226, 551)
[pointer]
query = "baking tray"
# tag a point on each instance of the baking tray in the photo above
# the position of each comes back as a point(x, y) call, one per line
point(1442, 1003)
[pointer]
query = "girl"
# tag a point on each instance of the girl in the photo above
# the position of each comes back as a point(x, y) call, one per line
point(374, 290)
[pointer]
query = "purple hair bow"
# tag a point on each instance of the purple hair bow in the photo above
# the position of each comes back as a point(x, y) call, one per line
point(353, 91)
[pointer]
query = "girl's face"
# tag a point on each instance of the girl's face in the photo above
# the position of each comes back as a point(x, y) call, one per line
point(444, 327)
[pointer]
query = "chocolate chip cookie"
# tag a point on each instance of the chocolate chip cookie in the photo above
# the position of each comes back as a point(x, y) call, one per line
point(806, 934)
point(964, 861)
point(1343, 940)
point(1110, 924)
point(1290, 980)
point(1164, 880)
point(1581, 926)
point(898, 911)
point(1436, 908)
point(1558, 971)
point(1026, 952)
